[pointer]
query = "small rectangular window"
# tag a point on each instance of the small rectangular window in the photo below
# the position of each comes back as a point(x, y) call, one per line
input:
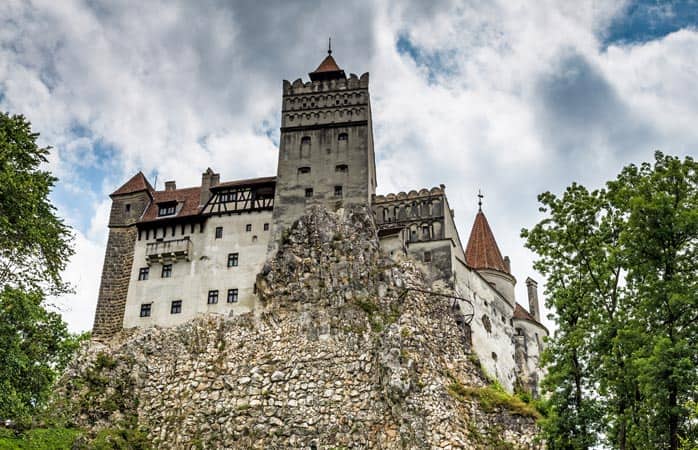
point(219, 232)
point(266, 227)
point(232, 259)
point(143, 273)
point(212, 297)
point(166, 270)
point(305, 169)
point(128, 207)
point(427, 256)
point(248, 227)
point(341, 168)
point(176, 307)
point(232, 295)
point(145, 309)
point(338, 191)
point(309, 192)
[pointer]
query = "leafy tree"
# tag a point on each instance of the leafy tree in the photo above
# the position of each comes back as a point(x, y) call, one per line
point(34, 242)
point(34, 249)
point(622, 275)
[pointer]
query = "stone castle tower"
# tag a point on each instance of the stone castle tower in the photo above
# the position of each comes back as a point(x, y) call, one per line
point(128, 204)
point(326, 148)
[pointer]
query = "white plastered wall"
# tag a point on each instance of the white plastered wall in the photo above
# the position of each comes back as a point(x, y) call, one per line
point(206, 270)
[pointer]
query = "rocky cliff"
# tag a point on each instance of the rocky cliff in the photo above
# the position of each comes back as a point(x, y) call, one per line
point(341, 354)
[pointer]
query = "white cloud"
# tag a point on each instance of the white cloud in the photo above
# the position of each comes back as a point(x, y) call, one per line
point(523, 98)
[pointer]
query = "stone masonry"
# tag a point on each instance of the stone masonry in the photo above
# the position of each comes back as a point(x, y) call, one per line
point(340, 357)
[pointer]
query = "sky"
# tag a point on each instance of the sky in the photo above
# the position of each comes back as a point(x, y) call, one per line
point(511, 97)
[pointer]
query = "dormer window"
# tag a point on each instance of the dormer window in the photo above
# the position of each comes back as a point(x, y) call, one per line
point(167, 209)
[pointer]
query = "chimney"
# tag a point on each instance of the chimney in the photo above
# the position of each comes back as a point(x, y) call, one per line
point(507, 264)
point(170, 185)
point(208, 180)
point(533, 307)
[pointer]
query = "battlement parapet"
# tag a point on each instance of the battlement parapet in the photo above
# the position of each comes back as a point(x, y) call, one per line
point(300, 87)
point(413, 194)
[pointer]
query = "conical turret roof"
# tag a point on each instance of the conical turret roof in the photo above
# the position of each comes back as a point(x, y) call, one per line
point(482, 251)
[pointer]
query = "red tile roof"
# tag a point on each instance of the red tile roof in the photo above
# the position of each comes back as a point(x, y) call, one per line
point(520, 313)
point(328, 69)
point(328, 65)
point(482, 251)
point(137, 183)
point(188, 197)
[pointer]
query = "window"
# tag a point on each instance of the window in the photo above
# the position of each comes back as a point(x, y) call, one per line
point(343, 137)
point(427, 256)
point(425, 231)
point(248, 227)
point(305, 169)
point(309, 192)
point(341, 168)
point(232, 259)
point(128, 207)
point(145, 309)
point(143, 273)
point(229, 196)
point(176, 307)
point(305, 147)
point(166, 271)
point(338, 191)
point(167, 209)
point(219, 232)
point(213, 297)
point(266, 227)
point(232, 295)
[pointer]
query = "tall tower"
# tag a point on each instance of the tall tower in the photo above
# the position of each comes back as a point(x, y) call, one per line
point(128, 204)
point(326, 148)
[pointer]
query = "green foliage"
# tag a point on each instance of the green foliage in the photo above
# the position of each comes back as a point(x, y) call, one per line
point(621, 269)
point(34, 242)
point(39, 439)
point(121, 438)
point(36, 346)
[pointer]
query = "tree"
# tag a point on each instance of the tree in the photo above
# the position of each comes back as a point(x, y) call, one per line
point(621, 275)
point(34, 242)
point(34, 249)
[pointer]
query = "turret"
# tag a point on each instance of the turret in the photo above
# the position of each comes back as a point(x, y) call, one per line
point(482, 254)
point(128, 204)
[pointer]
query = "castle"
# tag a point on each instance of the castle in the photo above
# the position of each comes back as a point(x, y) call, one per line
point(177, 253)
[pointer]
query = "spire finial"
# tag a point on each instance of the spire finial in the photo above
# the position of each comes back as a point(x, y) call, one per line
point(329, 47)
point(479, 200)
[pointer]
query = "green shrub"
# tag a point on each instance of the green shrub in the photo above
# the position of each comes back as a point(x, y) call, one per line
point(39, 439)
point(492, 397)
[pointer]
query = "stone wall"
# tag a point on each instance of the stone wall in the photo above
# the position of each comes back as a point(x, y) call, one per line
point(113, 289)
point(340, 355)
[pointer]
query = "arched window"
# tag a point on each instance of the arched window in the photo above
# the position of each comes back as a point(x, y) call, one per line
point(305, 147)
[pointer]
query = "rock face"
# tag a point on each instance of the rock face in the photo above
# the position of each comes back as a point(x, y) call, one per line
point(341, 356)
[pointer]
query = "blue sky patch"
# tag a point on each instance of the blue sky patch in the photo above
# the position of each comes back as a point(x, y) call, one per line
point(436, 63)
point(646, 20)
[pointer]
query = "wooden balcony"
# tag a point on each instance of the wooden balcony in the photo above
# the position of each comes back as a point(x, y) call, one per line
point(168, 251)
